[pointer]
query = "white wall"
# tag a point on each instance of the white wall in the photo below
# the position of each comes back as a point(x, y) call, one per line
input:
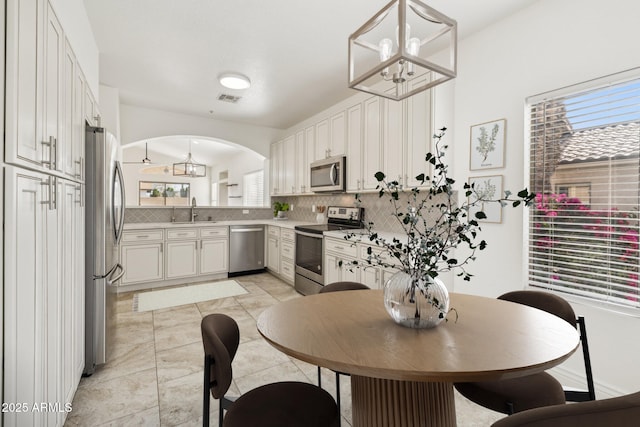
point(110, 109)
point(547, 46)
point(237, 165)
point(138, 123)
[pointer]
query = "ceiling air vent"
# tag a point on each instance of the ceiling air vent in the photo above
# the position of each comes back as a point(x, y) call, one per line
point(229, 98)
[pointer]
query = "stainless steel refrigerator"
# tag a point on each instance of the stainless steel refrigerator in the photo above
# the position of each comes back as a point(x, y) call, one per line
point(105, 204)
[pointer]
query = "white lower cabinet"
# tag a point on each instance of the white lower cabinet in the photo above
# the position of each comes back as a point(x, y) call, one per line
point(182, 259)
point(214, 256)
point(287, 255)
point(143, 262)
point(338, 258)
point(43, 295)
point(273, 249)
point(214, 250)
point(160, 257)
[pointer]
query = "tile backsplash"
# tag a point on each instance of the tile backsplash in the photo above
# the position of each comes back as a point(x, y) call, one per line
point(142, 215)
point(377, 210)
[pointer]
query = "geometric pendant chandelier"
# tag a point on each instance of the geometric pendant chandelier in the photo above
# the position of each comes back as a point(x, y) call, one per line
point(405, 48)
point(189, 168)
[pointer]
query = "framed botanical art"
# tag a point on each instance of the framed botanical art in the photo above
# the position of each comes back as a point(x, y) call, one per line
point(487, 145)
point(490, 188)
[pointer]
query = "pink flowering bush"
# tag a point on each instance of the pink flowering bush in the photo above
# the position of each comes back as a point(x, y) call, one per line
point(583, 245)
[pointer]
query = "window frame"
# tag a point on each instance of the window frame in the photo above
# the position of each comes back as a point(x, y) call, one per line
point(628, 76)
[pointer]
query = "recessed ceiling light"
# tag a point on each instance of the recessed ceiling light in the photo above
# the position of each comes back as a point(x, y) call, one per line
point(234, 81)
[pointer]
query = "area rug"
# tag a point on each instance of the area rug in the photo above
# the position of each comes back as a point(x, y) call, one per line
point(155, 300)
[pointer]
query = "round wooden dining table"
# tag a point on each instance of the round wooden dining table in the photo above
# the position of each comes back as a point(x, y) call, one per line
point(402, 376)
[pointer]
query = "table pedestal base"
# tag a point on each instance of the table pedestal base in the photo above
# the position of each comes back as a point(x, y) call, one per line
point(388, 403)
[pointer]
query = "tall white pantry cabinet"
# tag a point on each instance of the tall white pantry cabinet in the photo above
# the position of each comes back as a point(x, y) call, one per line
point(46, 105)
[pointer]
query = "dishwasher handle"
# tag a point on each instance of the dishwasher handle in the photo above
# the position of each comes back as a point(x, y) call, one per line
point(245, 230)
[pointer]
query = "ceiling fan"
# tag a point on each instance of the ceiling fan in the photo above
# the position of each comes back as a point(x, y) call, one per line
point(147, 160)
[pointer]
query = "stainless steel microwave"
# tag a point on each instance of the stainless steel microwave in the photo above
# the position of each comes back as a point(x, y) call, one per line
point(328, 175)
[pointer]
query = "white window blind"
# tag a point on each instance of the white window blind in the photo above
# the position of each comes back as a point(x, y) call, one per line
point(585, 166)
point(253, 188)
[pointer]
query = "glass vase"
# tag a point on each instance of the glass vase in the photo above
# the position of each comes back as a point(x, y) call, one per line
point(416, 303)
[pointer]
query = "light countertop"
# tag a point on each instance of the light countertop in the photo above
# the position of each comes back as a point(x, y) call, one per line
point(150, 225)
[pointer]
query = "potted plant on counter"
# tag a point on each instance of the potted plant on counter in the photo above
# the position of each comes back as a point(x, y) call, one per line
point(434, 224)
point(279, 209)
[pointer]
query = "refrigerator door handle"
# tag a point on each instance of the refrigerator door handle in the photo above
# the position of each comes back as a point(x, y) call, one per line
point(118, 217)
point(112, 280)
point(107, 274)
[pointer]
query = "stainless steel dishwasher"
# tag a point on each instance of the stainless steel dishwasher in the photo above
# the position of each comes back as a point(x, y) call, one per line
point(246, 248)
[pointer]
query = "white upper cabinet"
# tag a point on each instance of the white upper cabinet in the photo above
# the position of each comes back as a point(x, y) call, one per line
point(330, 136)
point(375, 135)
point(274, 167)
point(52, 122)
point(372, 156)
point(338, 129)
point(288, 169)
point(419, 133)
point(354, 148)
point(68, 113)
point(24, 64)
point(301, 164)
point(42, 128)
point(322, 139)
point(394, 141)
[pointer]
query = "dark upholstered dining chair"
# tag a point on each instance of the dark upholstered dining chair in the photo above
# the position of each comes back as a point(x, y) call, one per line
point(337, 287)
point(623, 411)
point(282, 404)
point(537, 390)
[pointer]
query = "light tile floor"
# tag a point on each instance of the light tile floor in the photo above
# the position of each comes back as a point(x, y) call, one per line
point(155, 377)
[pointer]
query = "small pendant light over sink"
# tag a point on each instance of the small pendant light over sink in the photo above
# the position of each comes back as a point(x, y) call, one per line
point(189, 168)
point(393, 54)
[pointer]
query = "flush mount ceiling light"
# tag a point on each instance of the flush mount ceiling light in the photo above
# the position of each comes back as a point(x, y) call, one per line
point(234, 81)
point(392, 54)
point(189, 168)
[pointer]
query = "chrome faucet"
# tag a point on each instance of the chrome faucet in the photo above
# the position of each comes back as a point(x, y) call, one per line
point(193, 210)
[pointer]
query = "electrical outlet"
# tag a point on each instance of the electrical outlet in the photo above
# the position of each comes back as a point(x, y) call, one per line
point(313, 208)
point(291, 207)
point(245, 211)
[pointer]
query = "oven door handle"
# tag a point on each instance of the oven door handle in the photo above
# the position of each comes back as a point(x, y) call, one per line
point(312, 235)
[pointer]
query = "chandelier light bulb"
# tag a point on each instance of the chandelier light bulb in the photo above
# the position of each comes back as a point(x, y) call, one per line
point(385, 47)
point(413, 48)
point(407, 34)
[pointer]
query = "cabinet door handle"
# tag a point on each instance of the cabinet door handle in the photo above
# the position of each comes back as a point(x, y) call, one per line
point(51, 144)
point(78, 175)
point(55, 153)
point(79, 193)
point(143, 236)
point(50, 183)
point(377, 279)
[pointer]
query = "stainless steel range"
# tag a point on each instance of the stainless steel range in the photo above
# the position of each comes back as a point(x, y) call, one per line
point(310, 246)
